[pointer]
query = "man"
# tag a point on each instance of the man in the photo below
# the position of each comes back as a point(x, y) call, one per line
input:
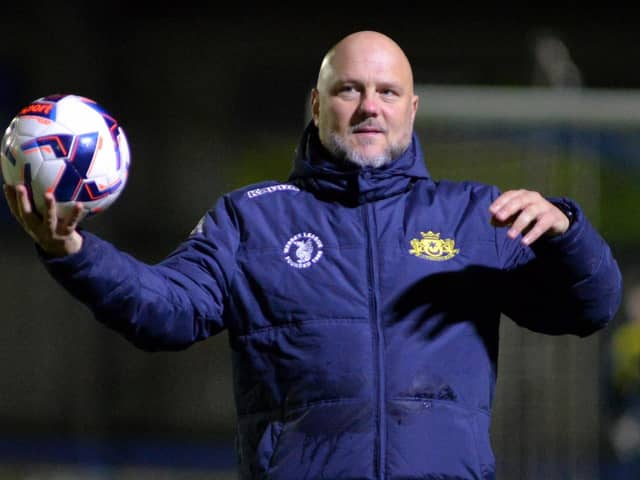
point(362, 298)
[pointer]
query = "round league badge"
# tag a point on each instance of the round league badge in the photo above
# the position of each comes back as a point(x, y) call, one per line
point(303, 250)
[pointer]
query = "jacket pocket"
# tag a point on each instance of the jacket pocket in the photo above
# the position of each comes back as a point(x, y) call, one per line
point(274, 431)
point(432, 438)
point(481, 425)
point(256, 442)
point(327, 439)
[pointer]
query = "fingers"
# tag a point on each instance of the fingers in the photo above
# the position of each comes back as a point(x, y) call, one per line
point(57, 227)
point(18, 202)
point(55, 236)
point(529, 214)
point(22, 197)
point(496, 207)
point(50, 216)
point(30, 219)
point(533, 232)
point(10, 195)
point(509, 204)
point(69, 224)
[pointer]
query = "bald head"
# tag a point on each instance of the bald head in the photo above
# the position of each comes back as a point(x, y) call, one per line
point(363, 103)
point(367, 46)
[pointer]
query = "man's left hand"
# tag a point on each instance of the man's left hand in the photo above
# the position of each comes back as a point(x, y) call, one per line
point(527, 213)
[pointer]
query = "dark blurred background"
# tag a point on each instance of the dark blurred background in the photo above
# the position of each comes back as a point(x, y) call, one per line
point(214, 97)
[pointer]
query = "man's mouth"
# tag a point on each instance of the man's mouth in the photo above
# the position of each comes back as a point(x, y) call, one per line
point(368, 129)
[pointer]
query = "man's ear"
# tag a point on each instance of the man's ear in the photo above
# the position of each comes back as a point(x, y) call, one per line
point(315, 105)
point(414, 107)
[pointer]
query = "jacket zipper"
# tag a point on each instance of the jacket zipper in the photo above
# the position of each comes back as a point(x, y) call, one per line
point(378, 339)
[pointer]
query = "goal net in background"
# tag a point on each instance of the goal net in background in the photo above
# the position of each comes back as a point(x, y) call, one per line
point(552, 408)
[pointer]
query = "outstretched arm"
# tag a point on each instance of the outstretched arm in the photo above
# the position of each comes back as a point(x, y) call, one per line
point(166, 306)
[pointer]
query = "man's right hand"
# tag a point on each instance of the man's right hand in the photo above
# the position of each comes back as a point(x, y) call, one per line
point(57, 237)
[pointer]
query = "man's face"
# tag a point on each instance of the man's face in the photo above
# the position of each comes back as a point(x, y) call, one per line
point(364, 106)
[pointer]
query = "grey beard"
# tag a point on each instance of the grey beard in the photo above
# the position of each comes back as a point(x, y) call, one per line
point(340, 150)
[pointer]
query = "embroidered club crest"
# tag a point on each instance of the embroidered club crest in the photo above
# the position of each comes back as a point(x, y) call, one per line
point(303, 250)
point(432, 247)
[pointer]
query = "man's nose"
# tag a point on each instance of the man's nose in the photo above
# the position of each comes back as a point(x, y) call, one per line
point(369, 103)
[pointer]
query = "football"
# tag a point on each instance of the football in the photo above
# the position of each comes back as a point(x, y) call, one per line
point(68, 145)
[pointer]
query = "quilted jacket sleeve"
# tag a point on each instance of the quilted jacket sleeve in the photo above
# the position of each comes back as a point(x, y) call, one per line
point(167, 306)
point(566, 284)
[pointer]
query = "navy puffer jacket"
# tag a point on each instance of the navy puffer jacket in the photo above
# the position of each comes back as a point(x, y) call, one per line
point(362, 307)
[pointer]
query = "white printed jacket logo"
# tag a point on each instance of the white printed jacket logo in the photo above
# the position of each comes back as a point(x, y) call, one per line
point(198, 229)
point(273, 188)
point(303, 250)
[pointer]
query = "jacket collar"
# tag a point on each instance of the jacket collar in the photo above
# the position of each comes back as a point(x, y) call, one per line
point(318, 171)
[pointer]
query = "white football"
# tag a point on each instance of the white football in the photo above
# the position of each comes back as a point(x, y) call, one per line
point(70, 146)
